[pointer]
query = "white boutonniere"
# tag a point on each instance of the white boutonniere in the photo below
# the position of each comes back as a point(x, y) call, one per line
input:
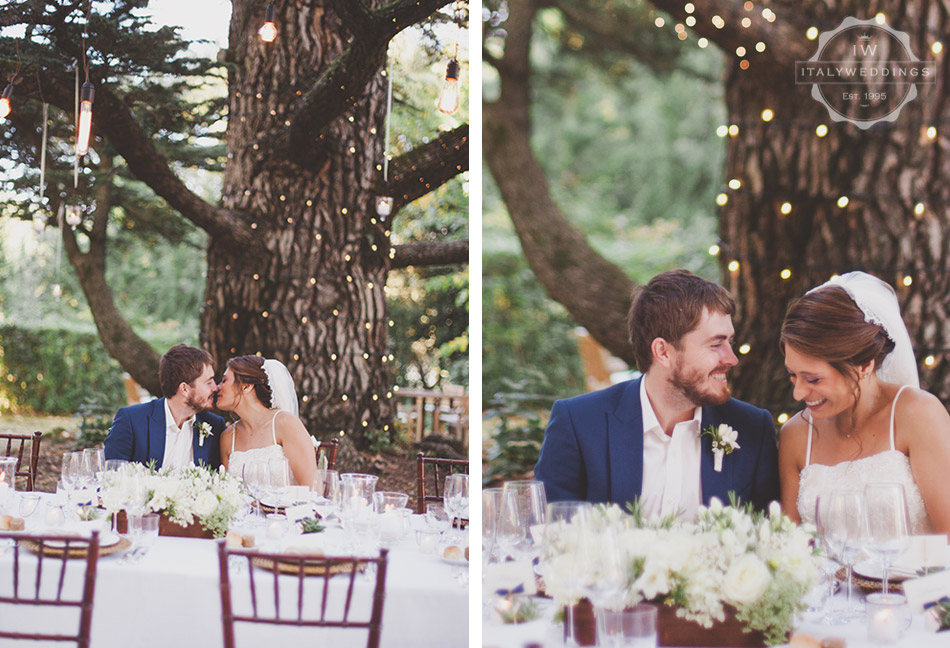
point(204, 431)
point(723, 442)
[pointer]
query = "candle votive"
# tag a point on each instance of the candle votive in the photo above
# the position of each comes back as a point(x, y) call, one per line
point(276, 525)
point(888, 617)
point(428, 540)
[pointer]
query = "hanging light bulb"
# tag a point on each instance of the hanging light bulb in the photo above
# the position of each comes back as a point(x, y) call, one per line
point(268, 31)
point(449, 97)
point(384, 205)
point(5, 101)
point(73, 215)
point(87, 95)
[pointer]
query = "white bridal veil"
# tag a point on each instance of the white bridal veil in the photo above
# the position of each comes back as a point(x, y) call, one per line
point(283, 393)
point(878, 301)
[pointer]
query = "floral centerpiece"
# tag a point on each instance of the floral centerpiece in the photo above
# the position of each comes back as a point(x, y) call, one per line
point(760, 565)
point(194, 494)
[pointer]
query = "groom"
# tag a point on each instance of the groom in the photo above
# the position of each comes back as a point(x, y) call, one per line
point(178, 430)
point(641, 439)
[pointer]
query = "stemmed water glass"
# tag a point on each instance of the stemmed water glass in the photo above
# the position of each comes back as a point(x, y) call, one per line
point(829, 559)
point(455, 497)
point(69, 474)
point(604, 572)
point(93, 465)
point(254, 474)
point(561, 565)
point(278, 481)
point(888, 523)
point(491, 508)
point(521, 518)
point(846, 532)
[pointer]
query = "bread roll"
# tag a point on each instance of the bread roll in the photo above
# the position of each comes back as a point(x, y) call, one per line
point(17, 524)
point(5, 522)
point(452, 552)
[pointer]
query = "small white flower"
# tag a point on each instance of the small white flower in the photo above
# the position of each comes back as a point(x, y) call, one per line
point(204, 431)
point(715, 506)
point(775, 510)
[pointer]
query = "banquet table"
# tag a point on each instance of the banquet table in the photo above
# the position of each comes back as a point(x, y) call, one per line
point(544, 632)
point(171, 598)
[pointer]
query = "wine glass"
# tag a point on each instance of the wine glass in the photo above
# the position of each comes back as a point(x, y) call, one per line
point(888, 523)
point(278, 481)
point(521, 519)
point(845, 527)
point(333, 490)
point(69, 474)
point(437, 518)
point(560, 565)
point(148, 533)
point(491, 506)
point(455, 497)
point(93, 465)
point(830, 558)
point(604, 576)
point(254, 474)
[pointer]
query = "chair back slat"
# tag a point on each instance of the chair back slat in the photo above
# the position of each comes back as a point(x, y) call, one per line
point(329, 449)
point(15, 446)
point(439, 469)
point(56, 592)
point(282, 567)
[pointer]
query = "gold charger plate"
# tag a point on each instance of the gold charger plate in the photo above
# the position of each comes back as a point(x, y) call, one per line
point(75, 552)
point(314, 569)
point(869, 584)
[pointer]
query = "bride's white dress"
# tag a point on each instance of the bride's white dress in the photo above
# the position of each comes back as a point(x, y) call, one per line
point(241, 457)
point(891, 466)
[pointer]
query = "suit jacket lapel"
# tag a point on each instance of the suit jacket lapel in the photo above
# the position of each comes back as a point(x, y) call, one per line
point(156, 433)
point(713, 483)
point(625, 446)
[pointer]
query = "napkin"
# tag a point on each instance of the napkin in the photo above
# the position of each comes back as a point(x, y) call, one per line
point(509, 576)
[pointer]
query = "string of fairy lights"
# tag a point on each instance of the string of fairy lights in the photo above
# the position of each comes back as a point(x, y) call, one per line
point(376, 241)
point(919, 205)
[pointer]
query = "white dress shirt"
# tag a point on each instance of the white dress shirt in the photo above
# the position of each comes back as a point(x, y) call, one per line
point(179, 448)
point(671, 480)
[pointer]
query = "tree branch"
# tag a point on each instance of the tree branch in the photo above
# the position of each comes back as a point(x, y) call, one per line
point(785, 40)
point(430, 253)
point(596, 292)
point(336, 90)
point(426, 167)
point(112, 118)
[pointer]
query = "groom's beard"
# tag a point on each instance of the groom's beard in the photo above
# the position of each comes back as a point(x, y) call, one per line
point(200, 406)
point(690, 383)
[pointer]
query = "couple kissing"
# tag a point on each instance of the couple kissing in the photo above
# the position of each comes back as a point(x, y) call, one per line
point(179, 430)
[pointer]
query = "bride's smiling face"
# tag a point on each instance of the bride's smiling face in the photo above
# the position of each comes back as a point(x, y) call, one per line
point(229, 392)
point(822, 388)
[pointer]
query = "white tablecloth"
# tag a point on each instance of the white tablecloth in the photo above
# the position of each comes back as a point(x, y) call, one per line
point(171, 599)
point(544, 632)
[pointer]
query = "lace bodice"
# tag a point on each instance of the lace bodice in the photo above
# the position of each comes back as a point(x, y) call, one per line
point(891, 465)
point(240, 457)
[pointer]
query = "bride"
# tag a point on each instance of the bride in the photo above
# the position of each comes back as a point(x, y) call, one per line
point(850, 361)
point(261, 393)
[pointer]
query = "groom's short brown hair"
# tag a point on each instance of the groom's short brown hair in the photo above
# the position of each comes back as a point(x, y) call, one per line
point(669, 307)
point(181, 364)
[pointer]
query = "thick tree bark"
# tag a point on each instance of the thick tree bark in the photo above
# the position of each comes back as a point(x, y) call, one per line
point(885, 172)
point(595, 292)
point(430, 253)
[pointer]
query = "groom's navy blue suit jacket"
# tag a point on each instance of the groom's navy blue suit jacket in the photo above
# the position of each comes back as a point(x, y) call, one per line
point(138, 434)
point(593, 450)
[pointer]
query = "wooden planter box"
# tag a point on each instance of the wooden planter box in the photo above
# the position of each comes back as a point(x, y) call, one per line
point(167, 528)
point(672, 630)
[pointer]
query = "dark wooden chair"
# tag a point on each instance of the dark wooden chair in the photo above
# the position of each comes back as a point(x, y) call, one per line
point(13, 445)
point(438, 469)
point(329, 449)
point(313, 613)
point(49, 586)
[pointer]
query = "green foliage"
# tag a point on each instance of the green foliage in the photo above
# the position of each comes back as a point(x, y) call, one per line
point(95, 419)
point(514, 430)
point(524, 331)
point(55, 371)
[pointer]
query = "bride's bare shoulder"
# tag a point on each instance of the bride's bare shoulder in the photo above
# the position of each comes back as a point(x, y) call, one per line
point(921, 413)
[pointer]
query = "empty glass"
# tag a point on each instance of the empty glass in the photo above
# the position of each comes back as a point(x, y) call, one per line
point(846, 532)
point(7, 476)
point(93, 465)
point(491, 507)
point(333, 490)
point(71, 466)
point(561, 565)
point(255, 476)
point(829, 561)
point(888, 523)
point(437, 518)
point(278, 482)
point(143, 531)
point(455, 498)
point(632, 628)
point(519, 526)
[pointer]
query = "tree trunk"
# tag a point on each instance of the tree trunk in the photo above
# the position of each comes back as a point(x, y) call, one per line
point(885, 172)
point(314, 298)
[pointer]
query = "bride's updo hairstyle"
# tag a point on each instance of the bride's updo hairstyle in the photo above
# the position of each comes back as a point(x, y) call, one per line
point(249, 370)
point(826, 324)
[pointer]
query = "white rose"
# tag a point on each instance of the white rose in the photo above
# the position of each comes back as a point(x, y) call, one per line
point(715, 506)
point(746, 580)
point(205, 504)
point(775, 510)
point(653, 582)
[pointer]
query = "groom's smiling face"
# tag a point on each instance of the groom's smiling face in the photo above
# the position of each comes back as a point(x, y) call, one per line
point(702, 358)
